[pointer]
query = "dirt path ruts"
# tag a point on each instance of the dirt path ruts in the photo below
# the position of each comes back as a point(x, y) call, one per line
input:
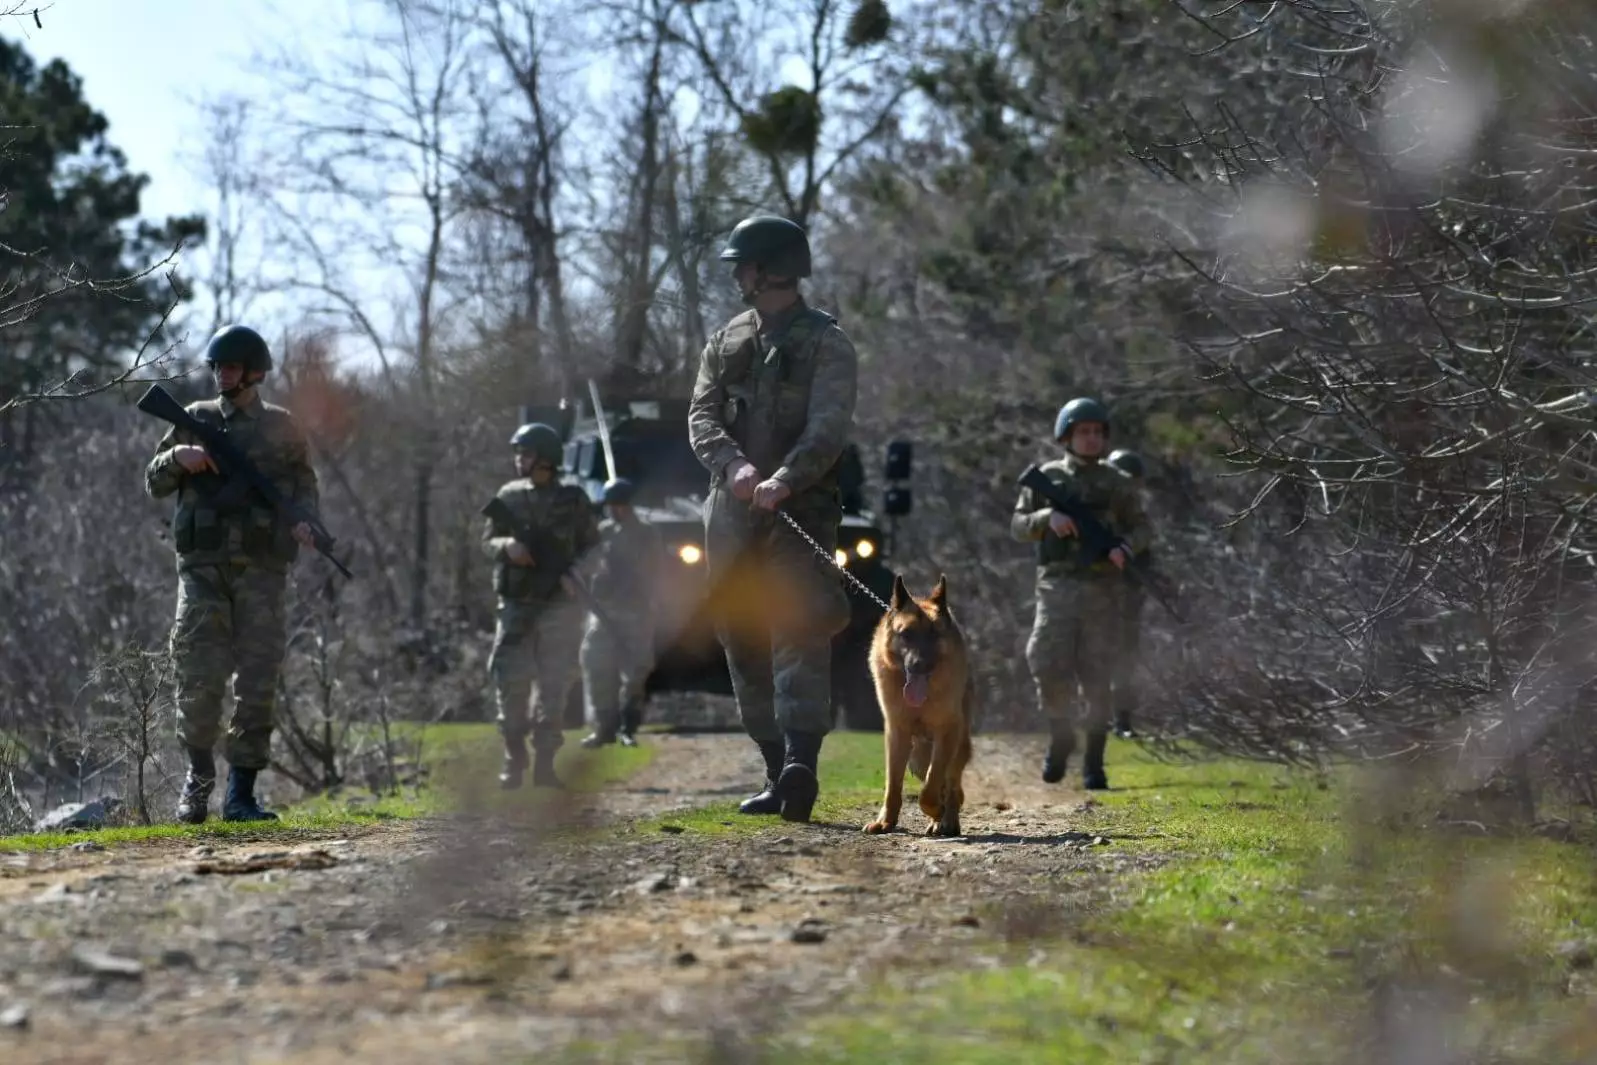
point(464, 941)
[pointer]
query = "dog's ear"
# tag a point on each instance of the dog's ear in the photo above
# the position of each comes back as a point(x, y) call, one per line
point(900, 595)
point(940, 593)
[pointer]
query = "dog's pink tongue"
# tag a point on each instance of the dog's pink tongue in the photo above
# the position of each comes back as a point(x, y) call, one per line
point(915, 689)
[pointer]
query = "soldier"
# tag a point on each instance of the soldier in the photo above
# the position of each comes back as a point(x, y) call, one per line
point(771, 410)
point(233, 557)
point(1132, 598)
point(539, 630)
point(1076, 630)
point(618, 648)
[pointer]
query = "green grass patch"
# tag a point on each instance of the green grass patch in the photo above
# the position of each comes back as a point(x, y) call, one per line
point(1261, 941)
point(293, 825)
point(1282, 903)
point(463, 765)
point(851, 780)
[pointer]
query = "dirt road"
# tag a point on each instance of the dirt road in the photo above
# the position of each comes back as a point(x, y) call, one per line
point(468, 939)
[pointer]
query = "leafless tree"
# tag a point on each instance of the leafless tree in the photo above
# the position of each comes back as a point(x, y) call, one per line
point(376, 143)
point(802, 134)
point(132, 690)
point(234, 167)
point(513, 178)
point(1392, 294)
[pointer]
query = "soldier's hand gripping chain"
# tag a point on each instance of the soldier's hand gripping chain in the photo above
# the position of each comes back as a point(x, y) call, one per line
point(235, 476)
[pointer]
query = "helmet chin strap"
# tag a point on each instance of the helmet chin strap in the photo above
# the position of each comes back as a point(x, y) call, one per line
point(244, 385)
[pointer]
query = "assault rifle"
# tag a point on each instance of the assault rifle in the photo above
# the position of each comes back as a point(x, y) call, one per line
point(236, 477)
point(550, 558)
point(1096, 539)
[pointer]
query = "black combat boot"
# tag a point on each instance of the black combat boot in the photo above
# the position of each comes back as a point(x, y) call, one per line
point(631, 721)
point(193, 806)
point(239, 803)
point(601, 736)
point(543, 769)
point(799, 783)
point(515, 762)
point(1061, 745)
point(766, 802)
point(1092, 774)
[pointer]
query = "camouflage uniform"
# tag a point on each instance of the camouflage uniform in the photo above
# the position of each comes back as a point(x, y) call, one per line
point(1132, 598)
point(778, 393)
point(1077, 630)
point(539, 630)
point(232, 567)
point(617, 657)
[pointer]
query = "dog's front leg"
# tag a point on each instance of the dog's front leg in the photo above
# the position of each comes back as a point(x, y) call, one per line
point(896, 743)
point(940, 799)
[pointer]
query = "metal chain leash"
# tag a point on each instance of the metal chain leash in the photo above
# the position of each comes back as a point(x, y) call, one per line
point(831, 560)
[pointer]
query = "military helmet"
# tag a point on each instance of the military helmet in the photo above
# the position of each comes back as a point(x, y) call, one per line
point(541, 440)
point(241, 344)
point(1080, 409)
point(1127, 461)
point(771, 242)
point(617, 490)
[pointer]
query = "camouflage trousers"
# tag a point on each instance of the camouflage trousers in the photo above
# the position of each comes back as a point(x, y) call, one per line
point(614, 667)
point(1125, 671)
point(777, 605)
point(1075, 643)
point(229, 625)
point(534, 665)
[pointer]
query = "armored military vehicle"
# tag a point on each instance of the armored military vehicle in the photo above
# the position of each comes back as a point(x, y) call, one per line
point(649, 440)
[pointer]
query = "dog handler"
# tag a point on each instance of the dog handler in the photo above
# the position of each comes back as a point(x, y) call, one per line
point(772, 408)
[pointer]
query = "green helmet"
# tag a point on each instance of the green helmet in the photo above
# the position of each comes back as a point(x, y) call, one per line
point(241, 344)
point(1080, 409)
point(1127, 461)
point(617, 490)
point(772, 243)
point(541, 440)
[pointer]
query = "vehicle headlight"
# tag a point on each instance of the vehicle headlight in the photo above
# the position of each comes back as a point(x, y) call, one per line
point(865, 549)
point(690, 554)
point(841, 556)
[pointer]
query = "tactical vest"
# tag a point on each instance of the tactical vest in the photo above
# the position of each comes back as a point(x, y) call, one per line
point(210, 518)
point(1097, 492)
point(768, 387)
point(559, 510)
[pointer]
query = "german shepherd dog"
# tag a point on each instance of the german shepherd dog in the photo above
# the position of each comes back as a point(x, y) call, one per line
point(927, 696)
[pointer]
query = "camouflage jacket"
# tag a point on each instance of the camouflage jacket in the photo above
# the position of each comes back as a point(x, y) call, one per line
point(1145, 556)
point(624, 573)
point(778, 393)
point(1109, 494)
point(560, 511)
point(205, 534)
